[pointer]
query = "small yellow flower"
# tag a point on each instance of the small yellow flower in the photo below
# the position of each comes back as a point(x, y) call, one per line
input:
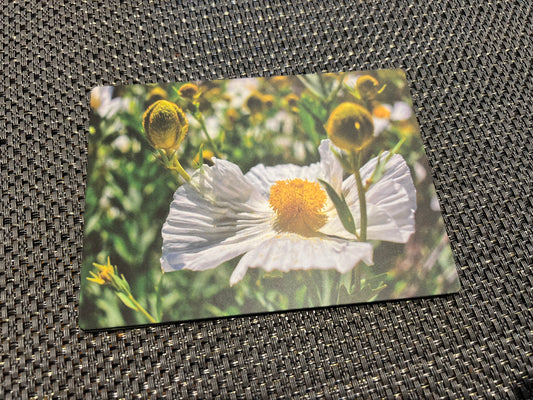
point(350, 127)
point(368, 87)
point(188, 91)
point(165, 125)
point(105, 273)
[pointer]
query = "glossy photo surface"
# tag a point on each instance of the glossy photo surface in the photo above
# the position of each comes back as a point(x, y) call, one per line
point(223, 198)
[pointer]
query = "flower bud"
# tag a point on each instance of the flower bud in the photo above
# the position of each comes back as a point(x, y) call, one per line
point(368, 87)
point(165, 125)
point(291, 100)
point(188, 91)
point(255, 103)
point(268, 100)
point(350, 127)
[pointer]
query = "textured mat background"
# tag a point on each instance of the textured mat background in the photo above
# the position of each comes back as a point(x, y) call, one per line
point(470, 73)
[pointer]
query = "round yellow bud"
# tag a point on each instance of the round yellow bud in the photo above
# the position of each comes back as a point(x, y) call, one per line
point(165, 125)
point(292, 100)
point(268, 100)
point(368, 87)
point(188, 91)
point(350, 127)
point(255, 103)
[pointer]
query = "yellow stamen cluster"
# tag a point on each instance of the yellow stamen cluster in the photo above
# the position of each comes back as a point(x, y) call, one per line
point(298, 204)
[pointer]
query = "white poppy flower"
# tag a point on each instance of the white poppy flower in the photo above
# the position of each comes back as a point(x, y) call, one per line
point(280, 218)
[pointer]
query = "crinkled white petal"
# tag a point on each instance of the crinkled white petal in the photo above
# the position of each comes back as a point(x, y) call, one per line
point(328, 169)
point(391, 203)
point(287, 252)
point(262, 178)
point(220, 218)
point(332, 171)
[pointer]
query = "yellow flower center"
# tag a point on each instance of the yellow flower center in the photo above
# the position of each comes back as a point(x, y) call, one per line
point(298, 204)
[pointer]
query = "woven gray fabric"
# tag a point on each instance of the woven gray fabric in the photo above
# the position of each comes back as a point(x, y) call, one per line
point(469, 67)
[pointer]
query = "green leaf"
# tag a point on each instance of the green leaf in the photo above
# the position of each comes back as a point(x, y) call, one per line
point(341, 206)
point(201, 156)
point(308, 125)
point(344, 295)
point(334, 93)
point(311, 82)
point(346, 281)
point(123, 249)
point(353, 92)
point(125, 283)
point(127, 301)
point(299, 296)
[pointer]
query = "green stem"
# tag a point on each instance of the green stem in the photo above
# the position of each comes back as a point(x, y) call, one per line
point(174, 163)
point(200, 118)
point(141, 309)
point(356, 279)
point(362, 197)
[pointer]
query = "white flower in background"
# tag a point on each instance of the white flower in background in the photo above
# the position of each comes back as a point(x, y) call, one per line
point(280, 218)
point(238, 90)
point(384, 114)
point(104, 104)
